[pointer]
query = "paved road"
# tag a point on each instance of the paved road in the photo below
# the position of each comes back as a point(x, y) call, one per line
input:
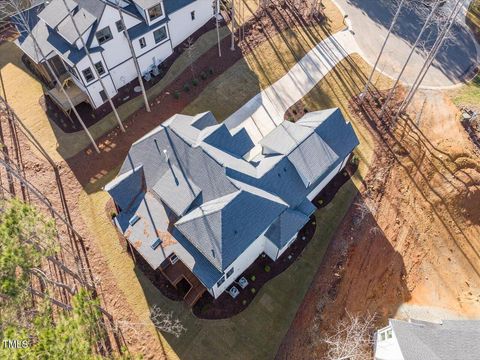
point(370, 21)
point(266, 110)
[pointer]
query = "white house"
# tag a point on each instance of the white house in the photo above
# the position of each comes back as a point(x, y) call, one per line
point(421, 340)
point(155, 27)
point(187, 197)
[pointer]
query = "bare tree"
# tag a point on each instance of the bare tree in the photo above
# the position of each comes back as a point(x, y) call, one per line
point(134, 57)
point(414, 47)
point(392, 25)
point(443, 36)
point(217, 25)
point(161, 320)
point(351, 339)
point(15, 8)
point(232, 47)
point(87, 51)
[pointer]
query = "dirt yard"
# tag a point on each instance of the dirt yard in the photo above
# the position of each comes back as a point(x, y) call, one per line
point(410, 245)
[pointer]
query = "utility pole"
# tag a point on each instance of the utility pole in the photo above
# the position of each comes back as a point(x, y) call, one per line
point(87, 51)
point(134, 57)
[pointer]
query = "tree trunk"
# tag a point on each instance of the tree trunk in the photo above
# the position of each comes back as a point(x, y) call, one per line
point(134, 57)
point(424, 27)
point(87, 51)
point(394, 21)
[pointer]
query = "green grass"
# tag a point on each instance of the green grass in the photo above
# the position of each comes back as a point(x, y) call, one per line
point(473, 18)
point(255, 333)
point(469, 94)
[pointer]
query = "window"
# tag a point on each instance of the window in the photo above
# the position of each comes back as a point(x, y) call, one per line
point(119, 26)
point(192, 14)
point(221, 281)
point(160, 34)
point(155, 12)
point(142, 42)
point(100, 68)
point(88, 74)
point(103, 95)
point(230, 272)
point(389, 334)
point(104, 35)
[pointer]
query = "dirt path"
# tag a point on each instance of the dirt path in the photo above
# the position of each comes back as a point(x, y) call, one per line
point(412, 236)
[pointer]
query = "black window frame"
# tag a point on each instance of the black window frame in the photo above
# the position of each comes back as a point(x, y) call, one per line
point(158, 6)
point(101, 42)
point(102, 68)
point(142, 39)
point(156, 31)
point(230, 272)
point(119, 25)
point(91, 75)
point(192, 15)
point(103, 95)
point(221, 281)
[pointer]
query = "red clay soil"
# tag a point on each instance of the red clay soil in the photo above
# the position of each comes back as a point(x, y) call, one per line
point(411, 237)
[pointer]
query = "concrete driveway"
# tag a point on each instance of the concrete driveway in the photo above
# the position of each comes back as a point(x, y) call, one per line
point(370, 20)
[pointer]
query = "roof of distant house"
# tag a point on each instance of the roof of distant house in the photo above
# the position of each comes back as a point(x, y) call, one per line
point(452, 339)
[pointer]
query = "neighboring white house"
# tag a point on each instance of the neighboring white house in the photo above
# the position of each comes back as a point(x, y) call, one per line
point(186, 194)
point(421, 340)
point(155, 27)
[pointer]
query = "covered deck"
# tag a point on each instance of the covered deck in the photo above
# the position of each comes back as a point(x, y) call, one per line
point(77, 95)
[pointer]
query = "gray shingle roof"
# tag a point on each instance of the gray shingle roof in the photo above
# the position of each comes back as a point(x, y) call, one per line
point(286, 226)
point(219, 203)
point(285, 137)
point(312, 158)
point(451, 340)
point(176, 190)
point(84, 21)
point(223, 228)
point(55, 12)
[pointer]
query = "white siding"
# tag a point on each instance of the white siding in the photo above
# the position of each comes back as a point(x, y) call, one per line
point(282, 250)
point(241, 264)
point(271, 249)
point(123, 74)
point(387, 349)
point(181, 24)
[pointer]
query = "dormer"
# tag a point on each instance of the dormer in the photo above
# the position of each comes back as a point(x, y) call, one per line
point(151, 10)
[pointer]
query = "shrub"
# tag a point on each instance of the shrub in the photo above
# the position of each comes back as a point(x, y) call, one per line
point(267, 268)
point(320, 201)
point(195, 82)
point(244, 302)
point(113, 214)
point(345, 174)
point(253, 278)
point(203, 75)
point(176, 94)
point(253, 290)
point(210, 70)
point(186, 87)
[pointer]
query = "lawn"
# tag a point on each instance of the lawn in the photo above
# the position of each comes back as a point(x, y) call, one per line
point(473, 18)
point(468, 95)
point(257, 332)
point(24, 91)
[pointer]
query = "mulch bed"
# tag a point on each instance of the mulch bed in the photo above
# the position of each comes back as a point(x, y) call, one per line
point(225, 306)
point(167, 105)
